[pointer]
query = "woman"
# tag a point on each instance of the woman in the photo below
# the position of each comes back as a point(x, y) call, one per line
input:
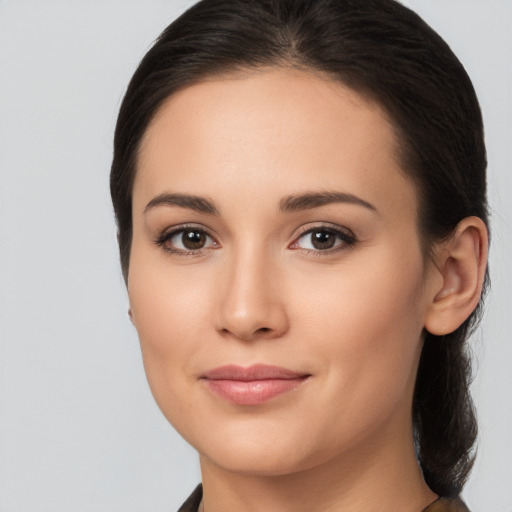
point(300, 194)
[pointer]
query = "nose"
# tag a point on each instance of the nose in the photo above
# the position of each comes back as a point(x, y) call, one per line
point(251, 305)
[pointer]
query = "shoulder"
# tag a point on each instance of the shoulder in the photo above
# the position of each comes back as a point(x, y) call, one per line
point(192, 503)
point(440, 505)
point(447, 505)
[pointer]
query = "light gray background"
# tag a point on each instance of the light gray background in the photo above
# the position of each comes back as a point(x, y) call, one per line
point(78, 427)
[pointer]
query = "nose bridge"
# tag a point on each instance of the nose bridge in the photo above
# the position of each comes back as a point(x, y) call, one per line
point(251, 305)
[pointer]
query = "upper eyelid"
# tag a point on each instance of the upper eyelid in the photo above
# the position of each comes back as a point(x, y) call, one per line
point(184, 227)
point(346, 235)
point(167, 233)
point(297, 232)
point(323, 225)
point(163, 239)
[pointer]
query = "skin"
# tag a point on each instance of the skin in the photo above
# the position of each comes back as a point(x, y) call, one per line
point(351, 317)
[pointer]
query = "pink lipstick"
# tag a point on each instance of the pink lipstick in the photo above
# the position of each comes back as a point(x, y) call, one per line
point(253, 385)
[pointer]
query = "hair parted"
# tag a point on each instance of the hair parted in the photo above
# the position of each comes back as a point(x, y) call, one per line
point(387, 53)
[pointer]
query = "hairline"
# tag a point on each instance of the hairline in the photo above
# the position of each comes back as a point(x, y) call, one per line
point(234, 71)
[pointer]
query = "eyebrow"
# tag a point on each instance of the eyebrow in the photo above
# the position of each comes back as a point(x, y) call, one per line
point(310, 200)
point(288, 204)
point(196, 203)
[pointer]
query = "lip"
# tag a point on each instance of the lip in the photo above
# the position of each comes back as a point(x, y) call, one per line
point(253, 385)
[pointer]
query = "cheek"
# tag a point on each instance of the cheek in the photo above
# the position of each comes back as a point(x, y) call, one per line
point(170, 313)
point(167, 300)
point(376, 291)
point(367, 319)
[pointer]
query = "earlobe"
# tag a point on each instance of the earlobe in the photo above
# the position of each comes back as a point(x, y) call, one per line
point(462, 263)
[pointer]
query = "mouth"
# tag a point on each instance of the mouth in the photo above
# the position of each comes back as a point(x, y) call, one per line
point(253, 385)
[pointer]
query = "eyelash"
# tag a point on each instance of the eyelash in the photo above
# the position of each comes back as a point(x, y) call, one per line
point(166, 236)
point(347, 238)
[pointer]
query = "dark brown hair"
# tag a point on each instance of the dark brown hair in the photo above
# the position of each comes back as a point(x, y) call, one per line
point(385, 52)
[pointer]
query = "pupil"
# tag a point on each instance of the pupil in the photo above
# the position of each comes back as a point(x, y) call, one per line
point(193, 239)
point(322, 239)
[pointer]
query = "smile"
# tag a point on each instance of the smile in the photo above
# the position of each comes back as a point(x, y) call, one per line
point(253, 385)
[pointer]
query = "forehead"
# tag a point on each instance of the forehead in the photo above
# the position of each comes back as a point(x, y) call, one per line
point(285, 129)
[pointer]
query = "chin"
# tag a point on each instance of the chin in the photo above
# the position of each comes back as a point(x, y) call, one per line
point(255, 461)
point(260, 451)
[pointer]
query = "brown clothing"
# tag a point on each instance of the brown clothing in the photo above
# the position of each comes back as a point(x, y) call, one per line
point(447, 505)
point(192, 503)
point(440, 505)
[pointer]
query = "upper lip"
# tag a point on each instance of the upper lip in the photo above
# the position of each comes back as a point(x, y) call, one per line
point(251, 373)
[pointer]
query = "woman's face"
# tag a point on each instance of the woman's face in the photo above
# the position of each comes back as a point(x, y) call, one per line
point(276, 278)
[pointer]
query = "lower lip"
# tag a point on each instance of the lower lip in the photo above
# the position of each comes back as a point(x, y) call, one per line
point(252, 392)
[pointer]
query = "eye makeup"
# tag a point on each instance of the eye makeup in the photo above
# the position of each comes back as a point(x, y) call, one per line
point(194, 240)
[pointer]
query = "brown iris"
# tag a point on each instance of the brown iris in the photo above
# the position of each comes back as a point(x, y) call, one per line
point(193, 240)
point(323, 239)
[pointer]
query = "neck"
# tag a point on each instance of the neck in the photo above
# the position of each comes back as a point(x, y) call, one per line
point(377, 478)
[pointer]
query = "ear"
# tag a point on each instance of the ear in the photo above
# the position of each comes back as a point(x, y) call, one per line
point(462, 262)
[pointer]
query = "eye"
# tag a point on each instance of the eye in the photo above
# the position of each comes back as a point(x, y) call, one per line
point(323, 239)
point(186, 241)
